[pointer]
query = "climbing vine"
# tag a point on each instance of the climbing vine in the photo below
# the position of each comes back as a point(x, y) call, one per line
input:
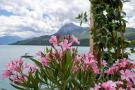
point(107, 28)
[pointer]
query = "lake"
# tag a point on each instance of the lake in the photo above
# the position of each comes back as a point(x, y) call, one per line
point(9, 52)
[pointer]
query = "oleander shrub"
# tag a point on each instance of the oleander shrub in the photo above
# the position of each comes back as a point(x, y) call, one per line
point(62, 68)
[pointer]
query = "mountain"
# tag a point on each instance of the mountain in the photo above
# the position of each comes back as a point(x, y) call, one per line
point(130, 33)
point(71, 28)
point(82, 33)
point(9, 39)
point(68, 28)
point(42, 40)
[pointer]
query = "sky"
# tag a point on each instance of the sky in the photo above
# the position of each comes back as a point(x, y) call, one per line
point(32, 18)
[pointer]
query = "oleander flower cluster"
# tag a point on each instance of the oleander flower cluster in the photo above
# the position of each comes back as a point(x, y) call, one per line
point(61, 67)
point(18, 71)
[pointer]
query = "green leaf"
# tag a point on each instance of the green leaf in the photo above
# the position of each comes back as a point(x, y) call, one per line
point(68, 59)
point(17, 87)
point(34, 82)
point(47, 50)
point(36, 62)
point(79, 16)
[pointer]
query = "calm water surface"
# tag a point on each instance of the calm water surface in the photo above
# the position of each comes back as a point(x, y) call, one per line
point(8, 52)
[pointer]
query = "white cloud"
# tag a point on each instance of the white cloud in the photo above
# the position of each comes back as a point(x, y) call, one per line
point(39, 17)
point(129, 8)
point(131, 22)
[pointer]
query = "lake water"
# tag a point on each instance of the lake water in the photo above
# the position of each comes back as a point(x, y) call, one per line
point(8, 52)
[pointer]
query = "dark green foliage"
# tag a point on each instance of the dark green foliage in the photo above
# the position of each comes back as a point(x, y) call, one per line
point(108, 28)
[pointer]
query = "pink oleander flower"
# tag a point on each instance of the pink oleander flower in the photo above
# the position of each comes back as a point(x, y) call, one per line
point(53, 40)
point(104, 63)
point(131, 66)
point(119, 83)
point(129, 85)
point(112, 70)
point(44, 61)
point(75, 69)
point(65, 45)
point(32, 69)
point(26, 65)
point(126, 75)
point(89, 59)
point(129, 76)
point(90, 55)
point(97, 87)
point(109, 85)
point(6, 74)
point(38, 53)
point(77, 63)
point(121, 64)
point(95, 68)
point(75, 40)
point(19, 79)
point(120, 88)
point(15, 65)
point(60, 53)
point(78, 57)
point(126, 64)
point(90, 63)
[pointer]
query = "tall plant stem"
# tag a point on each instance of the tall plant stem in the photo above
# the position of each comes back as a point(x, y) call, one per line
point(91, 29)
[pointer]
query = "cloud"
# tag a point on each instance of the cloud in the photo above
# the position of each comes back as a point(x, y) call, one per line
point(31, 18)
point(129, 8)
point(37, 16)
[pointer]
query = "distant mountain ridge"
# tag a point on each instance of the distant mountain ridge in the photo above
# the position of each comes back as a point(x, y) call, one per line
point(82, 33)
point(9, 39)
